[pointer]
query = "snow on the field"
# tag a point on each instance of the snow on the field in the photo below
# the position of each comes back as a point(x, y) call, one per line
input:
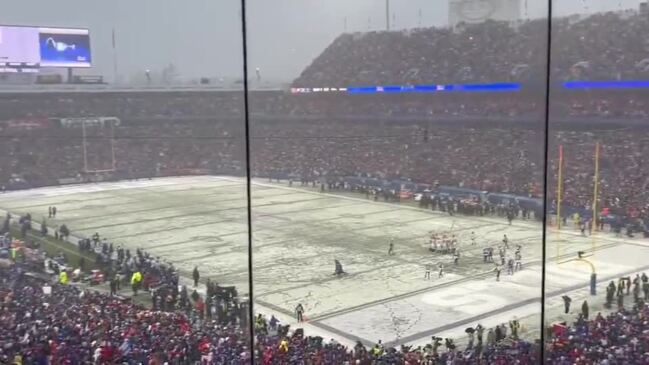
point(297, 234)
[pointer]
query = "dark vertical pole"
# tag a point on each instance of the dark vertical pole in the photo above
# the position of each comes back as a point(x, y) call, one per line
point(593, 284)
point(387, 14)
point(114, 58)
point(548, 80)
point(251, 311)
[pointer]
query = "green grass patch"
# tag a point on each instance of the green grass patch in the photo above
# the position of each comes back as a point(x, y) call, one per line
point(53, 247)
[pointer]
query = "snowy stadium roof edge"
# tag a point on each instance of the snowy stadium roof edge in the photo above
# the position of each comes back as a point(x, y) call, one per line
point(77, 88)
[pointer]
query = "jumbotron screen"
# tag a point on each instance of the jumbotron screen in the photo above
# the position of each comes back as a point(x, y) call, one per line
point(24, 46)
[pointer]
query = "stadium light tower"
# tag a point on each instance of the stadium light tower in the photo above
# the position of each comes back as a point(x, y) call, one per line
point(387, 15)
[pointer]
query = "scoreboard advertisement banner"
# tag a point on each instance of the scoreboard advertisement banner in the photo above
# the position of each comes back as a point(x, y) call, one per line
point(29, 47)
point(64, 47)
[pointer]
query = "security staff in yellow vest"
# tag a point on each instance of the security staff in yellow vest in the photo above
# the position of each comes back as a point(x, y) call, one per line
point(377, 350)
point(136, 279)
point(283, 345)
point(63, 277)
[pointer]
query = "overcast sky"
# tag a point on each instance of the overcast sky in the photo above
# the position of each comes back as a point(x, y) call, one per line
point(203, 37)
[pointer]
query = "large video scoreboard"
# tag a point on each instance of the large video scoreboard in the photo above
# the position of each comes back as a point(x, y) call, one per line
point(30, 48)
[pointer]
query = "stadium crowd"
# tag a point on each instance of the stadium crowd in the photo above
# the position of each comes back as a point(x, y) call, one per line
point(424, 138)
point(50, 317)
point(600, 46)
point(45, 323)
point(617, 338)
point(481, 141)
point(438, 140)
point(71, 326)
point(47, 320)
point(493, 159)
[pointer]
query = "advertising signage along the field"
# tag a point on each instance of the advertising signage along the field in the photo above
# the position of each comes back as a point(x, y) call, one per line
point(89, 122)
point(22, 46)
